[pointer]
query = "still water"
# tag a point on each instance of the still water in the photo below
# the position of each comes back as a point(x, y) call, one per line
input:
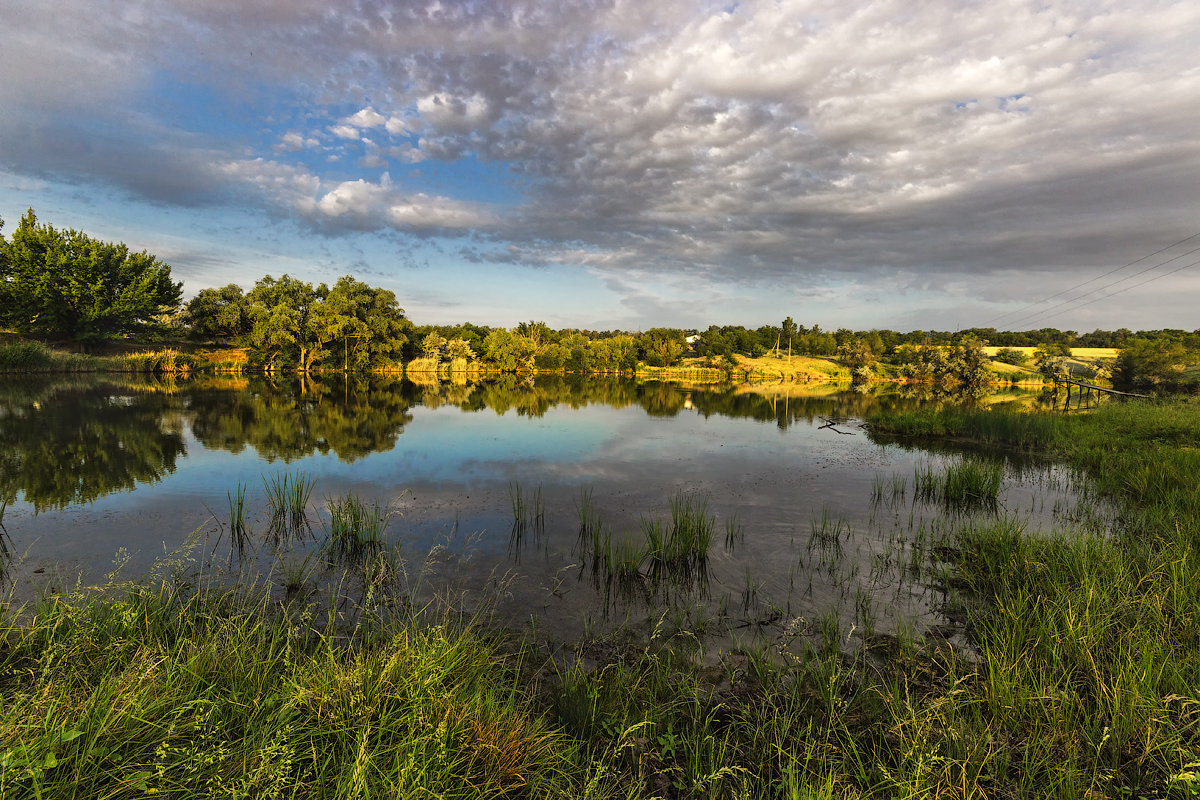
point(811, 515)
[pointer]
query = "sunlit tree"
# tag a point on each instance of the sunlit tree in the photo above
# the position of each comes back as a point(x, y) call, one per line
point(65, 283)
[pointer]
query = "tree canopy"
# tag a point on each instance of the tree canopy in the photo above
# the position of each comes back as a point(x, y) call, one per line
point(65, 283)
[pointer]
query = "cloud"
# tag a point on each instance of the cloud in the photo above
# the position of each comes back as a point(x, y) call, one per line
point(751, 142)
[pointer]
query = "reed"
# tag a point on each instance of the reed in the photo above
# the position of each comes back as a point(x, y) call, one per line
point(287, 498)
point(528, 510)
point(238, 530)
point(355, 527)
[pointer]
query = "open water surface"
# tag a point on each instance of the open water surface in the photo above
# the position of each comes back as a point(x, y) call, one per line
point(812, 518)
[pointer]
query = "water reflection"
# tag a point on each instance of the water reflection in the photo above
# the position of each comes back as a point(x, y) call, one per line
point(68, 443)
point(72, 441)
point(292, 419)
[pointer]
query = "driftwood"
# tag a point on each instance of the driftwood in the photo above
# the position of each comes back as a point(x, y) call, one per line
point(833, 422)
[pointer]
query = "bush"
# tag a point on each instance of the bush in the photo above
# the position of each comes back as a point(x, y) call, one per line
point(1011, 355)
point(24, 357)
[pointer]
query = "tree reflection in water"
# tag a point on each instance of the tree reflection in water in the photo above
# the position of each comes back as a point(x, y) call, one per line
point(64, 443)
point(74, 440)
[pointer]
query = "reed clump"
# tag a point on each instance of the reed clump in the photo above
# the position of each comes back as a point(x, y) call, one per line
point(287, 499)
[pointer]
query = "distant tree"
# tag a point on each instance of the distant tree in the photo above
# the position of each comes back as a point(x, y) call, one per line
point(967, 363)
point(218, 313)
point(65, 283)
point(1152, 364)
point(662, 347)
point(787, 333)
point(282, 331)
point(432, 345)
point(369, 322)
point(856, 354)
point(508, 352)
point(1050, 360)
point(459, 349)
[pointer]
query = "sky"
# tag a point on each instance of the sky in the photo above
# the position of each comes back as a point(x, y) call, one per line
point(624, 164)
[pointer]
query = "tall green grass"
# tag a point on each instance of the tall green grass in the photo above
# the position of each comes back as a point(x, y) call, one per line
point(1088, 643)
point(36, 357)
point(169, 693)
point(287, 498)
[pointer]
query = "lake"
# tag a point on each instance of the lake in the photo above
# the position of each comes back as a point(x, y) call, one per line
point(486, 487)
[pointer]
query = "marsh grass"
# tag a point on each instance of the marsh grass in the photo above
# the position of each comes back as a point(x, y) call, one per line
point(287, 498)
point(970, 483)
point(168, 361)
point(238, 529)
point(1086, 660)
point(529, 517)
point(356, 528)
point(216, 692)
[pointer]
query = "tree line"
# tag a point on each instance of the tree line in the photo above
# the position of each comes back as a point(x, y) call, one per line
point(65, 284)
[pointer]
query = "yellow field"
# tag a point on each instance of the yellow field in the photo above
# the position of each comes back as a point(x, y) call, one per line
point(1076, 352)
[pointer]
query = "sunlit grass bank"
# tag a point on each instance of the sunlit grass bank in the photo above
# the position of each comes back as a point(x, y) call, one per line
point(171, 693)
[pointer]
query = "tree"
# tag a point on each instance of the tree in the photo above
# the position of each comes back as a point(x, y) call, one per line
point(662, 347)
point(856, 354)
point(787, 333)
point(967, 364)
point(1011, 355)
point(283, 324)
point(217, 313)
point(65, 283)
point(1152, 364)
point(369, 322)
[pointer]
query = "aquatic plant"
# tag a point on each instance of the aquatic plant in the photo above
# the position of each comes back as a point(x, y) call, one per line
point(238, 531)
point(967, 483)
point(355, 527)
point(529, 513)
point(287, 497)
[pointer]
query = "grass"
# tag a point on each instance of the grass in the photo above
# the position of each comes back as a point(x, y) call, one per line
point(32, 356)
point(966, 484)
point(1088, 642)
point(216, 693)
point(287, 498)
point(355, 527)
point(239, 531)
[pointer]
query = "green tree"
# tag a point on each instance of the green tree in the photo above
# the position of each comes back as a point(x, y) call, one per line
point(281, 312)
point(218, 313)
point(662, 347)
point(369, 322)
point(1011, 355)
point(1152, 364)
point(432, 346)
point(787, 334)
point(967, 364)
point(856, 354)
point(65, 283)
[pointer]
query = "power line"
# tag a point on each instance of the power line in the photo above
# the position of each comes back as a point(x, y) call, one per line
point(1136, 285)
point(1052, 309)
point(1093, 280)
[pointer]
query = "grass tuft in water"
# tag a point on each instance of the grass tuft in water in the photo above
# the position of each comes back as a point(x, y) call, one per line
point(287, 497)
point(238, 530)
point(968, 483)
point(355, 528)
point(529, 516)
